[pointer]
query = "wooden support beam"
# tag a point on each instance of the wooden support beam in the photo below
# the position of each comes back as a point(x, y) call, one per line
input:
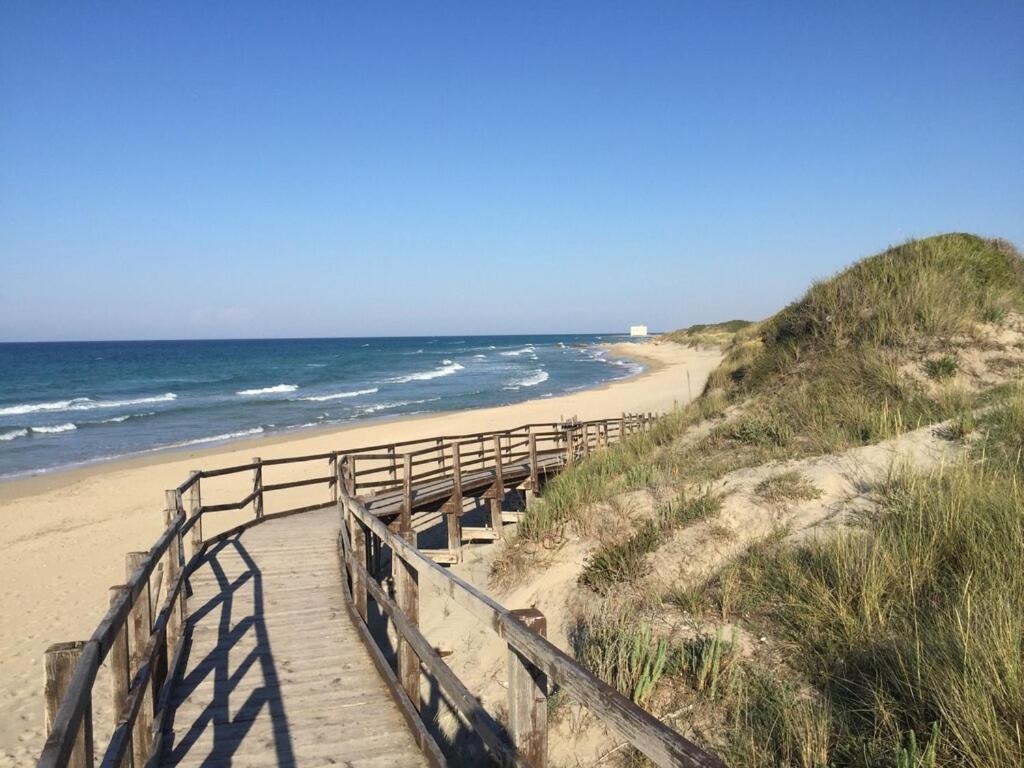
point(499, 488)
point(58, 666)
point(195, 505)
point(407, 596)
point(454, 506)
point(140, 624)
point(406, 513)
point(528, 696)
point(358, 534)
point(119, 670)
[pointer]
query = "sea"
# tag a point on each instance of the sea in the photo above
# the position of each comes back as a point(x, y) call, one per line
point(66, 404)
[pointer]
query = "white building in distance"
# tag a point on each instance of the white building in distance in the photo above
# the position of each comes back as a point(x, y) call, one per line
point(638, 330)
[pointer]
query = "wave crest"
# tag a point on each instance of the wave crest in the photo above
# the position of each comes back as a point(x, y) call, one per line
point(279, 388)
point(444, 370)
point(339, 395)
point(82, 404)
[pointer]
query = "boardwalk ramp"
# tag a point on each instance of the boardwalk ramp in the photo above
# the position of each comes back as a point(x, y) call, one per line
point(275, 672)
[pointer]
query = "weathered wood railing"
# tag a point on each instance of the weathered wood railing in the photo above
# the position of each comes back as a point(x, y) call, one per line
point(533, 662)
point(143, 650)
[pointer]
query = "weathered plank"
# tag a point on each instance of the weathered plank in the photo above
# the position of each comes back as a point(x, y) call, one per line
point(276, 672)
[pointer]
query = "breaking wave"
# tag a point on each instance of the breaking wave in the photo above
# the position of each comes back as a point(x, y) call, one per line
point(537, 377)
point(444, 370)
point(82, 404)
point(56, 428)
point(269, 390)
point(339, 395)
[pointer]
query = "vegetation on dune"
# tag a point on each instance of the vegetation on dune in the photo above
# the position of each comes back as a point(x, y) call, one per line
point(912, 627)
point(898, 642)
point(707, 334)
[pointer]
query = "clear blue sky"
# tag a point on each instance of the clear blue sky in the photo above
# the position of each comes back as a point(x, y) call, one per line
point(179, 170)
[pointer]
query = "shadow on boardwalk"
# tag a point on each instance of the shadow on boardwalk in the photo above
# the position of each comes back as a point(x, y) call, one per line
point(236, 620)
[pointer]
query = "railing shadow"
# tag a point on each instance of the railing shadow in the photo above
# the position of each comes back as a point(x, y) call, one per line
point(230, 724)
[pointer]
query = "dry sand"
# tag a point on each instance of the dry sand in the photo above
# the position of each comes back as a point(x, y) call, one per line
point(64, 536)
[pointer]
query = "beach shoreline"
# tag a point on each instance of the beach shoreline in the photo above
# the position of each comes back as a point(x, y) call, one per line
point(51, 479)
point(65, 534)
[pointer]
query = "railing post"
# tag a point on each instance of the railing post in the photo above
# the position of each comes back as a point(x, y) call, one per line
point(569, 448)
point(140, 627)
point(499, 487)
point(257, 486)
point(171, 569)
point(527, 697)
point(534, 469)
point(622, 427)
point(119, 671)
point(455, 504)
point(406, 514)
point(332, 463)
point(58, 666)
point(394, 463)
point(195, 505)
point(407, 596)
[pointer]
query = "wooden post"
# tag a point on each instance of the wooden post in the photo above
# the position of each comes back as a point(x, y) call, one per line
point(357, 535)
point(394, 463)
point(257, 486)
point(140, 625)
point(59, 663)
point(352, 483)
point(195, 505)
point(498, 493)
point(406, 514)
point(407, 596)
point(332, 463)
point(454, 505)
point(527, 697)
point(171, 569)
point(534, 469)
point(622, 427)
point(119, 670)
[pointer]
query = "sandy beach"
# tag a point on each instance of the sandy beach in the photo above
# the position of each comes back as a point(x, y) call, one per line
point(64, 535)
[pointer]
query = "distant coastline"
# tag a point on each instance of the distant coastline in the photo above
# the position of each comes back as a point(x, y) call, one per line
point(66, 406)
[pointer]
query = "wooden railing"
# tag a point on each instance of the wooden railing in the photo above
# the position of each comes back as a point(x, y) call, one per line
point(144, 650)
point(533, 662)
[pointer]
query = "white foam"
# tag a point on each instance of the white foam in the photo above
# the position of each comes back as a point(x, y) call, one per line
point(13, 434)
point(339, 395)
point(269, 390)
point(446, 370)
point(125, 417)
point(518, 352)
point(480, 357)
point(54, 429)
point(216, 438)
point(82, 404)
point(537, 377)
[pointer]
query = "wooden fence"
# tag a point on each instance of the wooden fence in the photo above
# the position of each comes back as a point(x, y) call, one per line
point(141, 634)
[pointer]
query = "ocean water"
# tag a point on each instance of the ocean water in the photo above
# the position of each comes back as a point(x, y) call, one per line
point(66, 404)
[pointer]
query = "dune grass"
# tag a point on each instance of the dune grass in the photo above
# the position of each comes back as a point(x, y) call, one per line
point(903, 639)
point(912, 628)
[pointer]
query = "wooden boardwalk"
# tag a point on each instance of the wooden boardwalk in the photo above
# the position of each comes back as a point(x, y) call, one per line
point(264, 644)
point(275, 672)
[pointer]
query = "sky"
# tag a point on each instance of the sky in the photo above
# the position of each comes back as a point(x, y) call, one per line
point(231, 170)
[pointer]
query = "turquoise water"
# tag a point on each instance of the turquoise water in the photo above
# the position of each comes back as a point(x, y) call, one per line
point(65, 404)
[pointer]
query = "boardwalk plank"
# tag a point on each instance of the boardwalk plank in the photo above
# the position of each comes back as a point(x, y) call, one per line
point(276, 674)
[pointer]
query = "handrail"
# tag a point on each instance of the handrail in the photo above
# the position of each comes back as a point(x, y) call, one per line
point(646, 733)
point(156, 641)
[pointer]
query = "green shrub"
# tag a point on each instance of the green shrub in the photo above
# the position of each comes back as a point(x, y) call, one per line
point(944, 367)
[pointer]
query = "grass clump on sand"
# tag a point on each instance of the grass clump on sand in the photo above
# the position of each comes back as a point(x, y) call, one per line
point(944, 367)
point(626, 561)
point(911, 629)
point(786, 486)
point(622, 649)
